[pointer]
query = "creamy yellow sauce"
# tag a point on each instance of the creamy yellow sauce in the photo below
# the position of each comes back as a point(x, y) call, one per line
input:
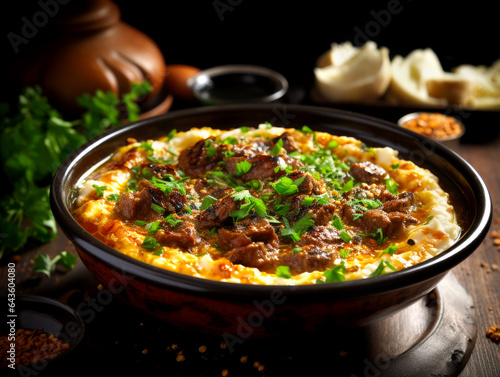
point(436, 230)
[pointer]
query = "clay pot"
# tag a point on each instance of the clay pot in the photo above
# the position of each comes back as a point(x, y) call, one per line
point(91, 49)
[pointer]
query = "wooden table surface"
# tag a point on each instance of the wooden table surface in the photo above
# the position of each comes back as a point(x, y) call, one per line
point(479, 274)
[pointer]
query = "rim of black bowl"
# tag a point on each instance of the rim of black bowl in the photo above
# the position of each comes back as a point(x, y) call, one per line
point(196, 84)
point(53, 308)
point(432, 268)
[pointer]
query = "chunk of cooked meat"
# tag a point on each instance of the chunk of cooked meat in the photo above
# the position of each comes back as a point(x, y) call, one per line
point(161, 171)
point(138, 205)
point(368, 172)
point(309, 185)
point(320, 236)
point(182, 236)
point(263, 166)
point(402, 203)
point(218, 213)
point(288, 141)
point(255, 254)
point(246, 231)
point(195, 161)
point(309, 260)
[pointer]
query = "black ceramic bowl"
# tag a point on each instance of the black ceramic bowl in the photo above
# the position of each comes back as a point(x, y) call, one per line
point(52, 317)
point(241, 311)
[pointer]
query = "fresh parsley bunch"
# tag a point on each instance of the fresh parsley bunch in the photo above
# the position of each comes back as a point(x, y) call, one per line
point(35, 140)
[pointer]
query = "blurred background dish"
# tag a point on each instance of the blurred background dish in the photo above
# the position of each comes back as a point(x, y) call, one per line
point(231, 84)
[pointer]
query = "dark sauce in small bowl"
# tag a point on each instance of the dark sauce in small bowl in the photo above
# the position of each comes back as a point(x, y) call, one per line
point(238, 84)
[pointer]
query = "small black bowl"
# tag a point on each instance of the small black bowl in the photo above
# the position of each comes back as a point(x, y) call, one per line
point(232, 84)
point(51, 316)
point(240, 311)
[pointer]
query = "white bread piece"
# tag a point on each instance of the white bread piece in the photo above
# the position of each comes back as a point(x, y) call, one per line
point(455, 89)
point(348, 73)
point(486, 84)
point(409, 77)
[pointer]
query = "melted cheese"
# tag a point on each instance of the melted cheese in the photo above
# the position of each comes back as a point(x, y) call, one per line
point(436, 233)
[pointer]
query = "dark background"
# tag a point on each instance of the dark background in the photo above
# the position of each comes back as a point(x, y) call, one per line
point(288, 36)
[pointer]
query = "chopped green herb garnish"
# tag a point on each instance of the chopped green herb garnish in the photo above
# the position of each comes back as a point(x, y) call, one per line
point(335, 275)
point(344, 236)
point(113, 197)
point(45, 265)
point(172, 220)
point(391, 249)
point(157, 208)
point(381, 267)
point(242, 168)
point(307, 130)
point(207, 202)
point(391, 185)
point(277, 148)
point(337, 222)
point(283, 272)
point(99, 190)
point(150, 243)
point(377, 235)
point(344, 253)
point(298, 229)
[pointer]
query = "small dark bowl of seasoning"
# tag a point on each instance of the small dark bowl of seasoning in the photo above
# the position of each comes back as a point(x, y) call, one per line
point(37, 333)
point(441, 127)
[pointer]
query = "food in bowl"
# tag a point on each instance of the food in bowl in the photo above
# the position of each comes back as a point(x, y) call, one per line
point(434, 125)
point(266, 205)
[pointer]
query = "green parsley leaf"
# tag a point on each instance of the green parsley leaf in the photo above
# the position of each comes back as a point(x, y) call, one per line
point(113, 197)
point(307, 130)
point(45, 265)
point(337, 222)
point(335, 275)
point(250, 203)
point(377, 235)
point(229, 140)
point(344, 236)
point(344, 253)
point(210, 148)
point(300, 227)
point(99, 190)
point(287, 186)
point(391, 185)
point(150, 243)
point(391, 249)
point(152, 227)
point(283, 272)
point(172, 220)
point(158, 208)
point(381, 267)
point(242, 167)
point(207, 202)
point(171, 134)
point(277, 148)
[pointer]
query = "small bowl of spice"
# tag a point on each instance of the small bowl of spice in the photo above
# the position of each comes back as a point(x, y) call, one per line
point(440, 127)
point(37, 333)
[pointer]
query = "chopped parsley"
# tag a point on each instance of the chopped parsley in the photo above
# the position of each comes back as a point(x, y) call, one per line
point(243, 167)
point(283, 272)
point(99, 190)
point(150, 243)
point(381, 267)
point(298, 229)
point(391, 185)
point(335, 275)
point(277, 148)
